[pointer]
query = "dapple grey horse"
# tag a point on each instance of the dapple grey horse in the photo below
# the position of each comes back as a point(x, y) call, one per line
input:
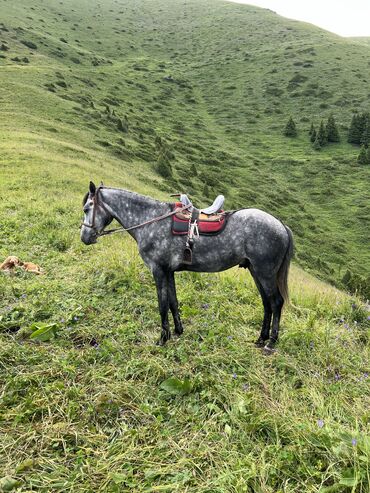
point(252, 239)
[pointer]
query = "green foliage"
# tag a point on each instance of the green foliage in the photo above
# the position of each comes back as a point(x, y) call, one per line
point(290, 128)
point(363, 156)
point(322, 135)
point(332, 130)
point(359, 130)
point(175, 386)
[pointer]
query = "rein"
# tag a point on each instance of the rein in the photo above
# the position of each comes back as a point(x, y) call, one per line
point(96, 203)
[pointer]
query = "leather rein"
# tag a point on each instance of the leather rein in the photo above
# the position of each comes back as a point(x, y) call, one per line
point(98, 203)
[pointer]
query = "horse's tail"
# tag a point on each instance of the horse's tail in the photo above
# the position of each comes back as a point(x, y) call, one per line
point(282, 275)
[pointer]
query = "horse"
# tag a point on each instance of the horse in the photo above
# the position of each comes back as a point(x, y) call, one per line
point(251, 238)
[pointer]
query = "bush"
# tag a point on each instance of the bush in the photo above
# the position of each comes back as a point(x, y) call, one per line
point(29, 44)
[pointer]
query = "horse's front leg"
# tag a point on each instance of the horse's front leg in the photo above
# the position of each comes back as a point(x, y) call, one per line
point(161, 282)
point(174, 307)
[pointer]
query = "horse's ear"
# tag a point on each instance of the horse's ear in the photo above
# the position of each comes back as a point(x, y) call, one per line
point(92, 188)
point(101, 184)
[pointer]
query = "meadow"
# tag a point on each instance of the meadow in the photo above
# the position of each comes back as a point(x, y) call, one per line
point(88, 402)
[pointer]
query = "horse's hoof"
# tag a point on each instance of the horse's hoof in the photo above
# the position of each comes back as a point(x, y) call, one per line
point(178, 332)
point(269, 349)
point(260, 342)
point(162, 341)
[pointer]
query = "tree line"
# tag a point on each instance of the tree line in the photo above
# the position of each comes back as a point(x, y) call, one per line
point(358, 133)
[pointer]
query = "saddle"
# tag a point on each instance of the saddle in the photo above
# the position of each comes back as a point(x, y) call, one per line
point(194, 222)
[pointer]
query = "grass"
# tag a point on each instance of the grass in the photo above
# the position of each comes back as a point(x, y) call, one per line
point(90, 407)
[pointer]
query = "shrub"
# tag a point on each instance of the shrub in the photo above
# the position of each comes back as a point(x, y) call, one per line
point(29, 44)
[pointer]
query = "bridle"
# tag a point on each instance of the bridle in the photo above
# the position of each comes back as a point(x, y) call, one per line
point(98, 203)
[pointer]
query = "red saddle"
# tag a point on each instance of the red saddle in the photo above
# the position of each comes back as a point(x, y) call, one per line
point(207, 224)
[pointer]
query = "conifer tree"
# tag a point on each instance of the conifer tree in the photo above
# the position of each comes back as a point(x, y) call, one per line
point(362, 157)
point(355, 130)
point(332, 130)
point(310, 132)
point(290, 129)
point(321, 135)
point(313, 135)
point(365, 137)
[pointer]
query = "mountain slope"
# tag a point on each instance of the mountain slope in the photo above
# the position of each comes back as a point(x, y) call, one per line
point(103, 90)
point(217, 82)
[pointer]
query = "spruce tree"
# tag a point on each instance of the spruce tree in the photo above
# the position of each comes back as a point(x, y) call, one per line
point(355, 130)
point(290, 129)
point(365, 137)
point(321, 135)
point(313, 135)
point(362, 157)
point(332, 130)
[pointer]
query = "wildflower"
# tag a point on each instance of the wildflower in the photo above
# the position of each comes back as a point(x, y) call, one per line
point(75, 318)
point(205, 306)
point(230, 337)
point(234, 375)
point(24, 295)
point(62, 320)
point(337, 377)
point(368, 317)
point(354, 306)
point(354, 442)
point(320, 423)
point(312, 344)
point(366, 375)
point(245, 386)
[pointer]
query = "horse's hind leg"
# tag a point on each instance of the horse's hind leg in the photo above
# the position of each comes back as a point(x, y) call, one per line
point(174, 307)
point(276, 302)
point(265, 331)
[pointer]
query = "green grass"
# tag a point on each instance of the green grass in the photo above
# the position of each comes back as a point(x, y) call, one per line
point(85, 410)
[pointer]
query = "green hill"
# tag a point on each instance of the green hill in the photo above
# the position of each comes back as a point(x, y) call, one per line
point(108, 90)
point(217, 82)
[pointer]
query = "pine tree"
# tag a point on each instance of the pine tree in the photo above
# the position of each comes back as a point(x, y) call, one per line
point(321, 135)
point(313, 135)
point(365, 137)
point(368, 155)
point(362, 157)
point(332, 130)
point(355, 130)
point(290, 129)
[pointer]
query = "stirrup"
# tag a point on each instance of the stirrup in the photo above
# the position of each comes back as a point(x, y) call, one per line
point(187, 256)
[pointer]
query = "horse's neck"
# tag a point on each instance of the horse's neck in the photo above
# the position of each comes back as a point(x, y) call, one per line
point(131, 209)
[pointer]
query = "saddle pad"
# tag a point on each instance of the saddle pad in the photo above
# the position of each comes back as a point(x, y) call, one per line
point(207, 225)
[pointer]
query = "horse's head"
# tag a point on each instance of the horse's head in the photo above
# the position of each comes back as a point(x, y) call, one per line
point(97, 216)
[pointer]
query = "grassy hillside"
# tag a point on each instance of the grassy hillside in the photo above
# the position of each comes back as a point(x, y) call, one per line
point(102, 90)
point(216, 82)
point(85, 410)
